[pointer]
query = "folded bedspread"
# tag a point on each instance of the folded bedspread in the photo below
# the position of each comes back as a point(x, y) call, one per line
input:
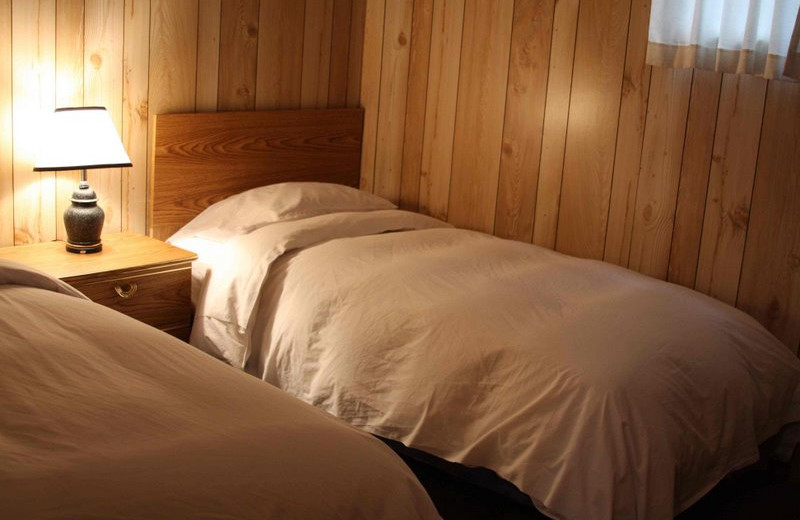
point(104, 417)
point(599, 392)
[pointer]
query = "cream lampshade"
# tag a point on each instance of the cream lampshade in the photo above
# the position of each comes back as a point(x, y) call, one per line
point(81, 138)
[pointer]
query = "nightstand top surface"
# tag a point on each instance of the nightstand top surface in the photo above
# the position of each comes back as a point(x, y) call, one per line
point(121, 252)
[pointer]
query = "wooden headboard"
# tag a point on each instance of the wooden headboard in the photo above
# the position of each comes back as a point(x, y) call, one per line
point(199, 159)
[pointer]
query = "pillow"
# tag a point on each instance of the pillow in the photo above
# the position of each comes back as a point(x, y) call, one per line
point(244, 212)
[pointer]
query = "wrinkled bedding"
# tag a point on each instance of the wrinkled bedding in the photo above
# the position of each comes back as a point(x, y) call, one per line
point(598, 392)
point(104, 417)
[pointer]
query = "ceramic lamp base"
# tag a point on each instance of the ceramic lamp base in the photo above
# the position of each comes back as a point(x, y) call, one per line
point(84, 248)
point(83, 220)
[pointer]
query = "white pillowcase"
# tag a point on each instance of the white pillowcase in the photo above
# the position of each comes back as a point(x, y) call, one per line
point(247, 211)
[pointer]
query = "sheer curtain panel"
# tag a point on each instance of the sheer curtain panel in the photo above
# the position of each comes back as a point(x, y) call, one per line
point(737, 36)
point(792, 68)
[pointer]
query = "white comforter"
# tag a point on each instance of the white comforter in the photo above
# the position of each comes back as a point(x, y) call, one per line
point(598, 392)
point(104, 417)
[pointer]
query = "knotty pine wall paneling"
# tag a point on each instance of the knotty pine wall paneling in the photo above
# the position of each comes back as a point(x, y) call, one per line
point(730, 185)
point(69, 65)
point(339, 53)
point(695, 169)
point(316, 53)
point(660, 160)
point(135, 96)
point(209, 25)
point(33, 46)
point(420, 53)
point(480, 110)
point(144, 57)
point(102, 86)
point(539, 120)
point(238, 52)
point(630, 135)
point(280, 54)
point(524, 119)
point(592, 125)
point(771, 264)
point(392, 98)
point(556, 113)
point(6, 125)
point(371, 62)
point(440, 108)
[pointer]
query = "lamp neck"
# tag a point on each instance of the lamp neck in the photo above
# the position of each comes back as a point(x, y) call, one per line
point(84, 180)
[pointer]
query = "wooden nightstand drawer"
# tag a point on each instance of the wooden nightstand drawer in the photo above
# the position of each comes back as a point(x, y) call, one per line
point(147, 279)
point(161, 299)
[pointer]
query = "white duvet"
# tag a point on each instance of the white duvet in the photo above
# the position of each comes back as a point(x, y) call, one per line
point(104, 417)
point(598, 392)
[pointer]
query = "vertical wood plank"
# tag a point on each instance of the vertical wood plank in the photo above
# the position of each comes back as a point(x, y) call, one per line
point(415, 106)
point(632, 114)
point(173, 55)
point(69, 89)
point(102, 73)
point(173, 59)
point(592, 127)
point(6, 132)
point(694, 177)
point(730, 185)
point(479, 113)
point(393, 97)
point(340, 53)
point(355, 53)
point(524, 119)
point(556, 113)
point(238, 55)
point(371, 87)
point(440, 107)
point(208, 50)
point(33, 89)
point(662, 152)
point(316, 53)
point(770, 284)
point(135, 59)
point(280, 51)
point(69, 53)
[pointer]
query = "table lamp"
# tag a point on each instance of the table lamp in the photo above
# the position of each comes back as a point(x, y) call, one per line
point(81, 138)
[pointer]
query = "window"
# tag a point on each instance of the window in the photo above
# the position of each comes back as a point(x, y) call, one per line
point(738, 36)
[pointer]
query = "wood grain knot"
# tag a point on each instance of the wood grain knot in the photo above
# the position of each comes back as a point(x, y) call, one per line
point(773, 310)
point(97, 61)
point(402, 40)
point(22, 236)
point(627, 86)
point(740, 216)
point(647, 212)
point(794, 263)
point(142, 110)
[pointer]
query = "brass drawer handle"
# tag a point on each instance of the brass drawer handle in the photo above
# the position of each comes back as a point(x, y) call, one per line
point(127, 290)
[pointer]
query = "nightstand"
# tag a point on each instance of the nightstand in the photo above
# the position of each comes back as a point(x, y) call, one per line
point(145, 278)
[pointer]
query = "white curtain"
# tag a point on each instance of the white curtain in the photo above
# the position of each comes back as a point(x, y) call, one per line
point(792, 68)
point(738, 36)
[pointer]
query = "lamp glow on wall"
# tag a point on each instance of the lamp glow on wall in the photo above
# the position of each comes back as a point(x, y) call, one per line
point(81, 138)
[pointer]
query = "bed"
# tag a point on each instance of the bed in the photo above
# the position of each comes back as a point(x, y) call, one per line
point(102, 416)
point(599, 393)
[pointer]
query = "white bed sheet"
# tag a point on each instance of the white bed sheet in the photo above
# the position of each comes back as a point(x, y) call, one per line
point(599, 392)
point(104, 417)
